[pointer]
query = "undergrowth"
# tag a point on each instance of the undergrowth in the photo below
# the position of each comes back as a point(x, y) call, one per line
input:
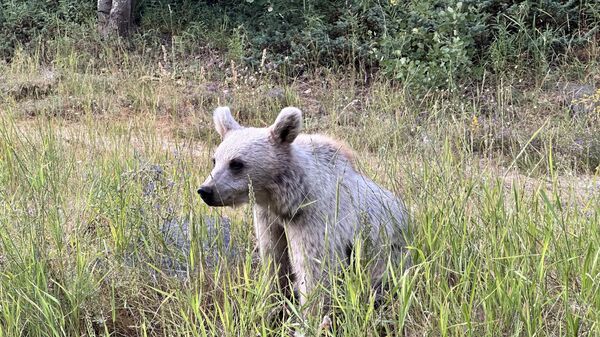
point(104, 143)
point(423, 45)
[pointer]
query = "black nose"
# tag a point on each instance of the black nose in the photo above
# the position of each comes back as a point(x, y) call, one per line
point(206, 193)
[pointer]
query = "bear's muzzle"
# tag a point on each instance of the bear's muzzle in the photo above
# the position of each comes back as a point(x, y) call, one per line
point(208, 196)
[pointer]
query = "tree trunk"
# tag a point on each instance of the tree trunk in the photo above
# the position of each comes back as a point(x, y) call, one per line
point(114, 16)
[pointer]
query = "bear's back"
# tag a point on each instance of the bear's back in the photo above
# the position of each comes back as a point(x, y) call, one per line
point(325, 151)
point(334, 180)
point(340, 195)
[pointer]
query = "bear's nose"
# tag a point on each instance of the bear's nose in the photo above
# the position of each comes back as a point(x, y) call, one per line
point(206, 194)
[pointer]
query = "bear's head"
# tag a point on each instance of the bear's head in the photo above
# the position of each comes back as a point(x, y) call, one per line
point(249, 158)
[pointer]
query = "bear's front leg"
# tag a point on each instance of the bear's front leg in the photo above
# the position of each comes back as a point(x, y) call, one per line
point(273, 248)
point(308, 256)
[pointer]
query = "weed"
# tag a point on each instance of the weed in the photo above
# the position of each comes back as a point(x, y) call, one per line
point(102, 233)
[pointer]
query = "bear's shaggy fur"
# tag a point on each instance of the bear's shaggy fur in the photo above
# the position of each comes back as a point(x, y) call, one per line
point(311, 205)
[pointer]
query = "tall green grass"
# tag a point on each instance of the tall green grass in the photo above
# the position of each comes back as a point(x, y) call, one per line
point(505, 231)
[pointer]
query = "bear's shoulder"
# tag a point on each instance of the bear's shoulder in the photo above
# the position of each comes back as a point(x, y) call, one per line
point(325, 147)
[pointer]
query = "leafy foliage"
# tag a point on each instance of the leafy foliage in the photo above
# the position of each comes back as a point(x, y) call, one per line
point(22, 21)
point(428, 44)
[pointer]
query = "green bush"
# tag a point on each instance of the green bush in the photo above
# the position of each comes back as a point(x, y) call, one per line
point(23, 21)
point(424, 44)
point(432, 43)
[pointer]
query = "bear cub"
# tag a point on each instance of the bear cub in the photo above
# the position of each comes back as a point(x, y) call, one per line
point(311, 205)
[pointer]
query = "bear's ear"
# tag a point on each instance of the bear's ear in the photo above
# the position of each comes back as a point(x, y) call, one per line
point(287, 126)
point(224, 121)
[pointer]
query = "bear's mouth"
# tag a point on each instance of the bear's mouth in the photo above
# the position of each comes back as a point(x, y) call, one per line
point(215, 199)
point(210, 198)
point(213, 203)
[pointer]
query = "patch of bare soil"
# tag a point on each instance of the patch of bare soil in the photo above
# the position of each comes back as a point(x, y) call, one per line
point(34, 86)
point(76, 132)
point(584, 187)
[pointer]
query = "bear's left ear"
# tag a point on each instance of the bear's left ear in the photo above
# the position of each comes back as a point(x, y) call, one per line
point(287, 126)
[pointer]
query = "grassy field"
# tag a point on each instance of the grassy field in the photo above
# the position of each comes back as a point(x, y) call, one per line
point(102, 232)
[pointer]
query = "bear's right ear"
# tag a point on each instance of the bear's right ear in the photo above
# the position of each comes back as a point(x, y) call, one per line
point(224, 121)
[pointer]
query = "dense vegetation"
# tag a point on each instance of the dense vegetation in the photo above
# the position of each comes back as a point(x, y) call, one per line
point(428, 44)
point(483, 115)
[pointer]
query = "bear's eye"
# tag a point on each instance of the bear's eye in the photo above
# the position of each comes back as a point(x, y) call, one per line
point(214, 162)
point(236, 165)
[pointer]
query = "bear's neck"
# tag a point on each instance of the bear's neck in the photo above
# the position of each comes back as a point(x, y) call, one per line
point(286, 193)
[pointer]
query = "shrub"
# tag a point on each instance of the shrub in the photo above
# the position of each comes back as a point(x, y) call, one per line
point(22, 21)
point(425, 44)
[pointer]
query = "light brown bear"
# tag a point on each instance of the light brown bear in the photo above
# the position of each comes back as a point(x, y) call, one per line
point(310, 203)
